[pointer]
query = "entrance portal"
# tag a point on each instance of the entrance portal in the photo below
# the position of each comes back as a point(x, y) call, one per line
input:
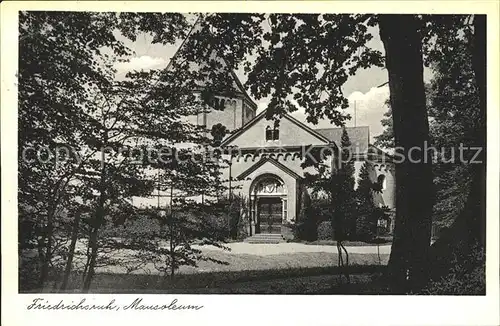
point(269, 216)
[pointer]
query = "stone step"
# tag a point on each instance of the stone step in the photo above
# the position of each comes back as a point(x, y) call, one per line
point(265, 238)
point(267, 234)
point(262, 241)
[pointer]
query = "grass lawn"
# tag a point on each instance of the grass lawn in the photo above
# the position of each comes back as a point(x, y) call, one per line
point(364, 280)
point(308, 272)
point(364, 283)
point(248, 262)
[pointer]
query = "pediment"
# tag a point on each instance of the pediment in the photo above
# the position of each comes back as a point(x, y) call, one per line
point(269, 165)
point(291, 133)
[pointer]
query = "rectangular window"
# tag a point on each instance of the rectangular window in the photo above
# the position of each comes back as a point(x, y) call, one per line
point(269, 134)
point(284, 210)
point(276, 134)
point(252, 211)
point(272, 134)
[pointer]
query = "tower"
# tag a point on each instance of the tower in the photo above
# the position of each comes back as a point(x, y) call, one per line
point(232, 112)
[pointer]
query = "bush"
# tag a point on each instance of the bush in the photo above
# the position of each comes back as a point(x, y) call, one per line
point(235, 214)
point(234, 218)
point(325, 231)
point(226, 219)
point(321, 208)
point(306, 226)
point(466, 277)
point(134, 226)
point(366, 226)
point(29, 270)
point(217, 222)
point(243, 225)
point(306, 231)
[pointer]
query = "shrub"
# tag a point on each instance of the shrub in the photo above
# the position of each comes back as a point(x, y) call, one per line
point(366, 222)
point(321, 208)
point(306, 226)
point(365, 228)
point(234, 217)
point(142, 224)
point(305, 231)
point(235, 214)
point(216, 221)
point(367, 225)
point(242, 231)
point(325, 231)
point(28, 267)
point(466, 277)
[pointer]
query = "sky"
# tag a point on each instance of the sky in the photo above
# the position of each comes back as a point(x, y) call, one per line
point(363, 90)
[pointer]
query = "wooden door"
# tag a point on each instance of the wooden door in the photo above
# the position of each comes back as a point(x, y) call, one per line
point(270, 213)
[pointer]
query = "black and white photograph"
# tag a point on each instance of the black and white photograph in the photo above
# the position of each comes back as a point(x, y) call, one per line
point(250, 152)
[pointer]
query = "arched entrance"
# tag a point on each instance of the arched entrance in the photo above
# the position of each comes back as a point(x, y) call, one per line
point(269, 203)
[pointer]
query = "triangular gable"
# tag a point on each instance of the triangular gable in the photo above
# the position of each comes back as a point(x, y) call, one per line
point(238, 86)
point(319, 137)
point(264, 160)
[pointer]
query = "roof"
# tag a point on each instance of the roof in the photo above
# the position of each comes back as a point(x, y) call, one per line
point(359, 137)
point(238, 85)
point(260, 116)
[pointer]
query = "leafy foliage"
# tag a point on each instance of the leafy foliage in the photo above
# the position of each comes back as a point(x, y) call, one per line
point(69, 98)
point(454, 109)
point(218, 132)
point(467, 276)
point(453, 100)
point(167, 241)
point(316, 53)
point(234, 211)
point(336, 184)
point(306, 224)
point(386, 138)
point(325, 231)
point(366, 222)
point(344, 202)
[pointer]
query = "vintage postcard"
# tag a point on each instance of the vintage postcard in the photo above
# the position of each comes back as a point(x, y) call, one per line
point(250, 162)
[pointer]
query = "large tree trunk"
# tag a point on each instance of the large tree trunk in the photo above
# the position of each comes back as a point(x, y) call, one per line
point(97, 223)
point(469, 228)
point(87, 255)
point(93, 243)
point(47, 256)
point(41, 259)
point(403, 50)
point(71, 251)
point(478, 189)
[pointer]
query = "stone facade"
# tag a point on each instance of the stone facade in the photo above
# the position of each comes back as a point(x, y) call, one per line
point(264, 162)
point(267, 171)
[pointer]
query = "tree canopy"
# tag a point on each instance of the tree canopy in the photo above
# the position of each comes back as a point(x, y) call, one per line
point(68, 96)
